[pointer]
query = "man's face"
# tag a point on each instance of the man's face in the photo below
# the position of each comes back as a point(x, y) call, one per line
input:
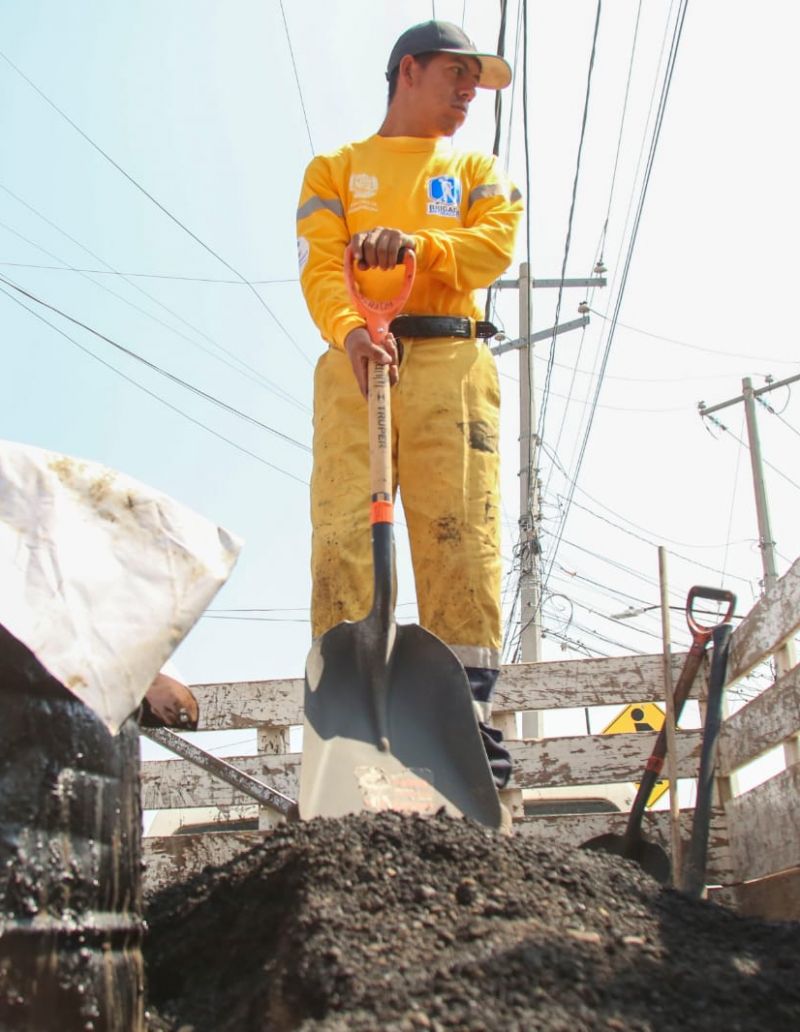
point(443, 91)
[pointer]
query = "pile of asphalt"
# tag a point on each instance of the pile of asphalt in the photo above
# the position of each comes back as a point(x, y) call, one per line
point(403, 924)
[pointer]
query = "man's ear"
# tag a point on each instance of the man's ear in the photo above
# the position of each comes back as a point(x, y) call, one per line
point(407, 69)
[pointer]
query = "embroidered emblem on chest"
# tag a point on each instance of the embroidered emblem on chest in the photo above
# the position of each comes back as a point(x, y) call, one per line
point(363, 188)
point(444, 196)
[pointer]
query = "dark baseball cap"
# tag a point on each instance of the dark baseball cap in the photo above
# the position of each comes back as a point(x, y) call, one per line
point(446, 38)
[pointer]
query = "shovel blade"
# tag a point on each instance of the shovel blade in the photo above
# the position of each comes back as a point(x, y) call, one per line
point(435, 757)
point(649, 856)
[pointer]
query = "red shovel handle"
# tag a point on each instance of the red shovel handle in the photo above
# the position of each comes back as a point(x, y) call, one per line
point(379, 314)
point(701, 632)
point(701, 635)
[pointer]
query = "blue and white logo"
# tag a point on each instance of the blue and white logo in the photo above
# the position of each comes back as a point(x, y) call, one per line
point(444, 196)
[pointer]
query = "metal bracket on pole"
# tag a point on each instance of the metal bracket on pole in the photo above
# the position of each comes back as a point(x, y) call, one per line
point(586, 281)
point(522, 342)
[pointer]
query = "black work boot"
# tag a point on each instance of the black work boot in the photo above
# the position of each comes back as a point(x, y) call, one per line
point(482, 681)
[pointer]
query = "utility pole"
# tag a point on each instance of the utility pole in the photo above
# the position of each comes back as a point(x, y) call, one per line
point(529, 514)
point(784, 657)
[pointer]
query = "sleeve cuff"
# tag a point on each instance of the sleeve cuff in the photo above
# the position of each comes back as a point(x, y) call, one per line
point(343, 326)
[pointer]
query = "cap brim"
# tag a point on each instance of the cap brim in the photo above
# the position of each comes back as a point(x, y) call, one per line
point(495, 71)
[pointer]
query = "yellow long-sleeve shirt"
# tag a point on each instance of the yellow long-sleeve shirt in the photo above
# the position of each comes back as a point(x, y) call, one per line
point(460, 208)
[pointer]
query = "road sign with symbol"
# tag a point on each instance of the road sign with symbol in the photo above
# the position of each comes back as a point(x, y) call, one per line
point(640, 716)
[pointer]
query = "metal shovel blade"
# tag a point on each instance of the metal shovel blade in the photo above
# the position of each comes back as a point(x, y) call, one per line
point(649, 856)
point(422, 711)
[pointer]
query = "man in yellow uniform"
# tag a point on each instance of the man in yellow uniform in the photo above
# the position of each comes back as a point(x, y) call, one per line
point(406, 187)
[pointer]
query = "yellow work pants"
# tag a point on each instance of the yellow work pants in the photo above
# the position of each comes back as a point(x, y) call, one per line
point(445, 424)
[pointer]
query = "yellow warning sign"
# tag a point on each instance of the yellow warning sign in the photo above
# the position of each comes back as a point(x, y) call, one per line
point(640, 716)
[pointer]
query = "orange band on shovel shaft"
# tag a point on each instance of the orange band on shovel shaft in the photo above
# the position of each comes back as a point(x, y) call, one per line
point(381, 512)
point(655, 764)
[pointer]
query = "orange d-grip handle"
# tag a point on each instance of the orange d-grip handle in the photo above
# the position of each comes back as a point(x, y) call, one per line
point(378, 314)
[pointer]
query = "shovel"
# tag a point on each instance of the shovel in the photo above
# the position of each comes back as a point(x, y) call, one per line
point(388, 717)
point(694, 877)
point(632, 844)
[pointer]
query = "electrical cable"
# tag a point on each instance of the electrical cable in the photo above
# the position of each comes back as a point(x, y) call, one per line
point(526, 354)
point(654, 544)
point(512, 99)
point(296, 76)
point(498, 112)
point(148, 275)
point(646, 530)
point(160, 206)
point(649, 410)
point(256, 376)
point(777, 414)
point(621, 129)
point(157, 369)
point(551, 357)
point(677, 35)
point(587, 372)
point(651, 107)
point(766, 462)
point(698, 347)
point(638, 575)
point(152, 394)
point(600, 248)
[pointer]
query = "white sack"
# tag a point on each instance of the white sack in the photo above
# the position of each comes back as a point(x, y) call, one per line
point(101, 577)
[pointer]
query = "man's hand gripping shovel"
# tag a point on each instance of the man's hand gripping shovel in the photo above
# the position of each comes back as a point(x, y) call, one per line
point(389, 720)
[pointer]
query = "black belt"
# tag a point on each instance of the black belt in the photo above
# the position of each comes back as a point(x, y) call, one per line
point(441, 326)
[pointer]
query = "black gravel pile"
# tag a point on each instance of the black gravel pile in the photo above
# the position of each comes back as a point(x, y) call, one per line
point(403, 924)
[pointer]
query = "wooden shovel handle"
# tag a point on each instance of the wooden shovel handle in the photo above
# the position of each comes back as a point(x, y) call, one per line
point(380, 445)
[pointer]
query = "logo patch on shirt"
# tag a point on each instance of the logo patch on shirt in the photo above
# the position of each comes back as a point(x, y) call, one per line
point(444, 196)
point(363, 187)
point(303, 252)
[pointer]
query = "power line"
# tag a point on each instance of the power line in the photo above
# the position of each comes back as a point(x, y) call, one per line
point(766, 462)
point(297, 77)
point(654, 534)
point(698, 347)
point(257, 377)
point(526, 147)
point(649, 410)
point(159, 205)
point(778, 415)
point(621, 128)
point(145, 275)
point(498, 112)
point(631, 198)
point(152, 394)
point(551, 357)
point(162, 372)
point(676, 38)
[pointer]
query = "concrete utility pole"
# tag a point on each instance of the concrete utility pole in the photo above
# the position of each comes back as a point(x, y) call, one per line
point(785, 658)
point(529, 514)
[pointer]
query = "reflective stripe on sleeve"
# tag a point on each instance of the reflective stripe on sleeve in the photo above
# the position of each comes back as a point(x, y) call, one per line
point(487, 190)
point(492, 190)
point(315, 203)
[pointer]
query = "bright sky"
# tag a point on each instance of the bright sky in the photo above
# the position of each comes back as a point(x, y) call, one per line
point(198, 102)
